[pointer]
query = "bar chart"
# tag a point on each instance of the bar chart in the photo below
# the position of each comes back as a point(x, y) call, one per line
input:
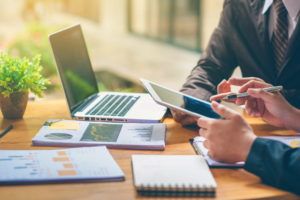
point(144, 134)
point(47, 165)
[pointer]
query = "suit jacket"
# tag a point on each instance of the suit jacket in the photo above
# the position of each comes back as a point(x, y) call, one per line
point(241, 39)
point(275, 163)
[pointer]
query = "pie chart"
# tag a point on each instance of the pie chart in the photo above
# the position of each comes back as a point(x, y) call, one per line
point(295, 144)
point(58, 136)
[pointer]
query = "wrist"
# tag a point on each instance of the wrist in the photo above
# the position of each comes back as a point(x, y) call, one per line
point(247, 147)
point(292, 120)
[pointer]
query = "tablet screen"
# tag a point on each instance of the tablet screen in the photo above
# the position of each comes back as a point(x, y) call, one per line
point(182, 101)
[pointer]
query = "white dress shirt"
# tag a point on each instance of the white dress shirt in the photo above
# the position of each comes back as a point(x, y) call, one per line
point(293, 8)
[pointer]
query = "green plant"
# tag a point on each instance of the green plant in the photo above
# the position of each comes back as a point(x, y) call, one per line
point(20, 75)
point(32, 41)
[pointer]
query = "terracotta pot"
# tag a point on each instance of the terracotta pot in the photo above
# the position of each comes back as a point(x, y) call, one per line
point(13, 107)
point(1, 97)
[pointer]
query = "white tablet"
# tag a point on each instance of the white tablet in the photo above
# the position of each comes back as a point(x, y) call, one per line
point(179, 101)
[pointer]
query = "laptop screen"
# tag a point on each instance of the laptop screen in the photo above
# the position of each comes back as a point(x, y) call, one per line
point(74, 65)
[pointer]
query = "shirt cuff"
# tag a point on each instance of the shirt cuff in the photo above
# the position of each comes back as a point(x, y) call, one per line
point(254, 160)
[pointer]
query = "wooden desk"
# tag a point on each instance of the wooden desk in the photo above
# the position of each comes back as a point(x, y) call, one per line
point(232, 183)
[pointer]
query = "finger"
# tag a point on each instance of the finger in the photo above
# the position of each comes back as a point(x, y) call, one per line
point(253, 84)
point(203, 132)
point(222, 84)
point(255, 113)
point(182, 118)
point(249, 105)
point(176, 114)
point(206, 144)
point(222, 110)
point(209, 153)
point(260, 93)
point(229, 100)
point(220, 96)
point(204, 122)
point(242, 81)
point(260, 106)
point(223, 87)
point(242, 100)
point(187, 120)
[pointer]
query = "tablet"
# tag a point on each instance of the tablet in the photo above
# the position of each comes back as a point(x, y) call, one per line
point(179, 101)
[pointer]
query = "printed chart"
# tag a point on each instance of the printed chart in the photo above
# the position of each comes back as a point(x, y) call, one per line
point(143, 134)
point(295, 144)
point(45, 165)
point(96, 132)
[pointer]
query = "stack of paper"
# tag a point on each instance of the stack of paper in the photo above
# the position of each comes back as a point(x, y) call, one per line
point(69, 133)
point(77, 164)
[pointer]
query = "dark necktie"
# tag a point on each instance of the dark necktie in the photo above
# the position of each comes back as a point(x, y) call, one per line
point(280, 35)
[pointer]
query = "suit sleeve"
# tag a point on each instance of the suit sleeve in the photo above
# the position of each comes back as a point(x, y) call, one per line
point(292, 96)
point(217, 63)
point(277, 164)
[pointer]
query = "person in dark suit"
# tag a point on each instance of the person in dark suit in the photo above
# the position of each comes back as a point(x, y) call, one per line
point(260, 36)
point(232, 140)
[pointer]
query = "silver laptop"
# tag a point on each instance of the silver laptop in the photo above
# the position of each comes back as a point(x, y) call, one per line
point(80, 87)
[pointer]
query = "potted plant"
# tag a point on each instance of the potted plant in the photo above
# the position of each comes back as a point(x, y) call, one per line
point(17, 77)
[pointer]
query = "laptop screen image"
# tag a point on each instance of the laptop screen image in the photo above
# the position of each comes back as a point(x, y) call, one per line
point(74, 66)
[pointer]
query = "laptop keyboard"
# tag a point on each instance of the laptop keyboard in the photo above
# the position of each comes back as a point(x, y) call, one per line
point(113, 105)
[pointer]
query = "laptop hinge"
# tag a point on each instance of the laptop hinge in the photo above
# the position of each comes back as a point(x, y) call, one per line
point(82, 104)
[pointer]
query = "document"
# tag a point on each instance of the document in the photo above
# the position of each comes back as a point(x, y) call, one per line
point(292, 141)
point(77, 164)
point(198, 145)
point(65, 125)
point(112, 135)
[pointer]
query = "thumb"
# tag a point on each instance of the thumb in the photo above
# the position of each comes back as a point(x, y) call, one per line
point(260, 93)
point(222, 110)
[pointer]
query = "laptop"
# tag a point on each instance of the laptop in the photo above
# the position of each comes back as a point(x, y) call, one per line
point(80, 86)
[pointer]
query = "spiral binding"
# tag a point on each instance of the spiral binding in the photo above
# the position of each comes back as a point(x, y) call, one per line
point(161, 190)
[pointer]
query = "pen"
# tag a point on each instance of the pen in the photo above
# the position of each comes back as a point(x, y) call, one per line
point(245, 94)
point(6, 130)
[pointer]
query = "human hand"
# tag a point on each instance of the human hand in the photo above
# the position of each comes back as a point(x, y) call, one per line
point(224, 88)
point(183, 119)
point(272, 107)
point(227, 140)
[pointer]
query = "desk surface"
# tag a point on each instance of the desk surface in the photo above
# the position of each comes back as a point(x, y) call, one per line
point(232, 183)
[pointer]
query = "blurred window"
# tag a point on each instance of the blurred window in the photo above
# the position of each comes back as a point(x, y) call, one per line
point(173, 21)
point(88, 9)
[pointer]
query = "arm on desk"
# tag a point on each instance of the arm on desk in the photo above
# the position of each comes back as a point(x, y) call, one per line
point(275, 163)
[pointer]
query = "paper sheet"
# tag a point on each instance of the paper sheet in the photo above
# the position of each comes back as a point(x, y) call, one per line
point(65, 125)
point(48, 165)
point(292, 141)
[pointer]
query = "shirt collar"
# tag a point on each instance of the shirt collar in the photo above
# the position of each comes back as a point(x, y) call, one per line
point(292, 6)
point(267, 5)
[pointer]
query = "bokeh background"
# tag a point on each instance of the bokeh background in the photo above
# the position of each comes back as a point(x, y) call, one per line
point(159, 40)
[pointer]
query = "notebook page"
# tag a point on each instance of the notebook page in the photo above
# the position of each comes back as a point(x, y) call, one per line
point(172, 171)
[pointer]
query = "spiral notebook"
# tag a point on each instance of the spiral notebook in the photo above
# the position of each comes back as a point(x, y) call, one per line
point(172, 175)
